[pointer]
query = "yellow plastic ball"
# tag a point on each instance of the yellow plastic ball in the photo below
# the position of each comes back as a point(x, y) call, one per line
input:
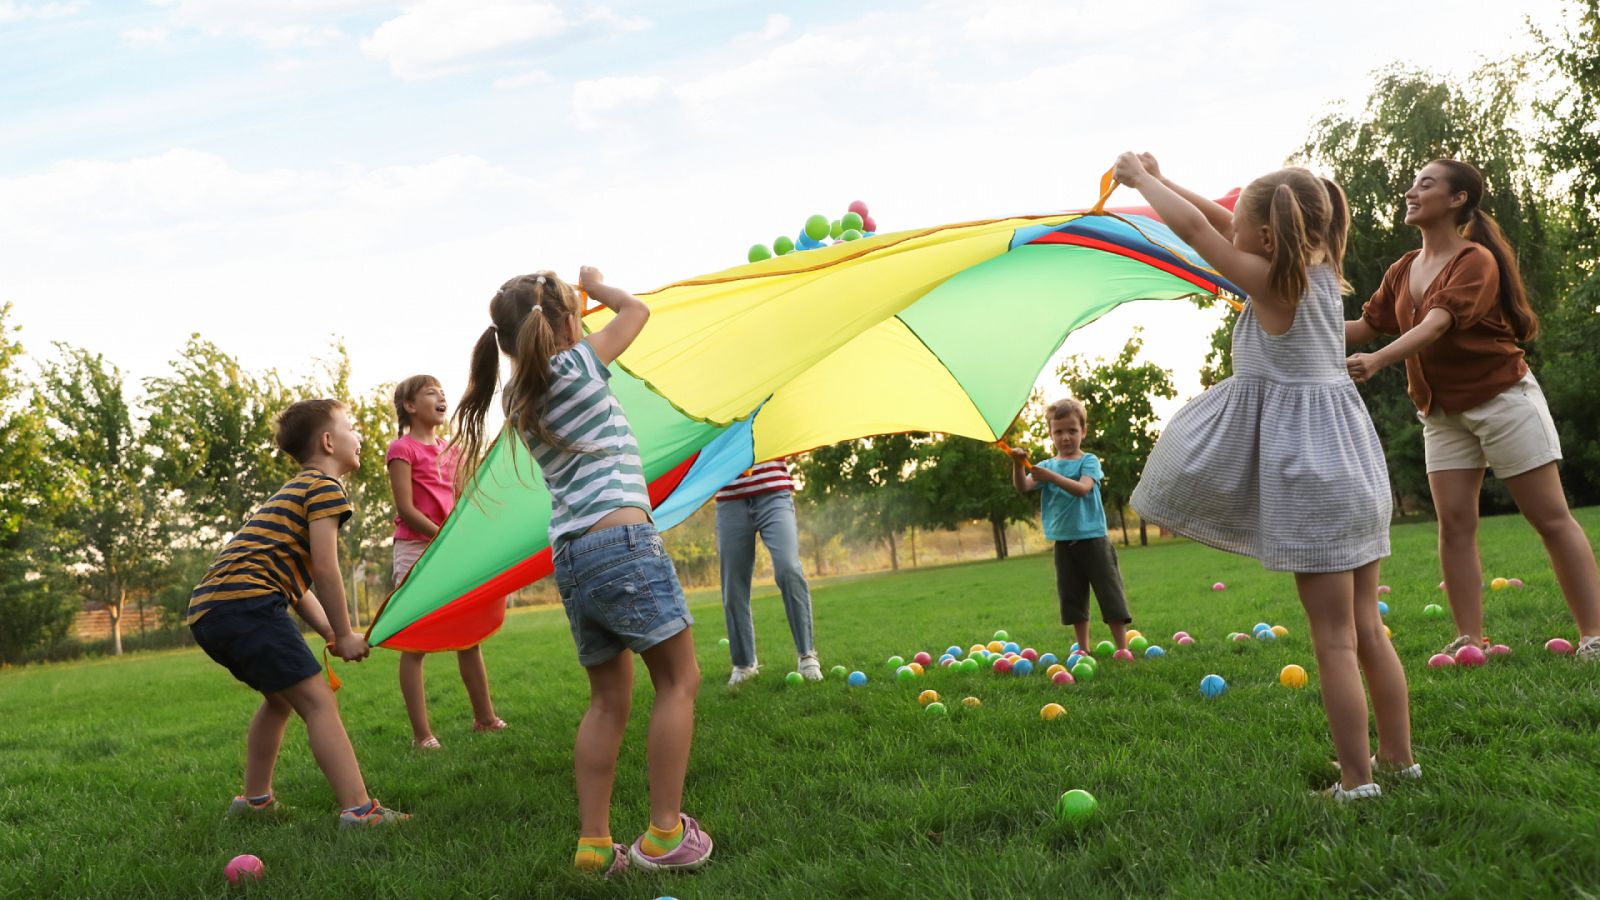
point(1388, 632)
point(1051, 672)
point(971, 701)
point(1499, 584)
point(997, 646)
point(1133, 633)
point(915, 667)
point(1051, 711)
point(1279, 630)
point(927, 697)
point(1292, 676)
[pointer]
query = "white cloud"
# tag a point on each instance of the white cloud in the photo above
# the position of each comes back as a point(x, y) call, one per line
point(592, 100)
point(440, 36)
point(278, 25)
point(777, 25)
point(525, 79)
point(153, 34)
point(19, 12)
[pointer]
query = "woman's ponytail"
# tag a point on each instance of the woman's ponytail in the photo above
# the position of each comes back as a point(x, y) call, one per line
point(1481, 228)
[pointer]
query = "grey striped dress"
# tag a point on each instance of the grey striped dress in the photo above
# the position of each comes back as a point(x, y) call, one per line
point(1280, 461)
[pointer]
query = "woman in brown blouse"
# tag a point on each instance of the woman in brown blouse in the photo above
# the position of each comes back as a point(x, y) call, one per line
point(1460, 308)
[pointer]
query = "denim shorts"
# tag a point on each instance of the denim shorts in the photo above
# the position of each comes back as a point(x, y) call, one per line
point(620, 592)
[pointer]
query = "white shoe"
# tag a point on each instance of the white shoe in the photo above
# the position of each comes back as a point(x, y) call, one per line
point(1589, 648)
point(1412, 772)
point(1359, 792)
point(1460, 641)
point(809, 668)
point(741, 674)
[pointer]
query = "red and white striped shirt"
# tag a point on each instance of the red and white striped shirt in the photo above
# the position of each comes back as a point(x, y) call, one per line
point(764, 478)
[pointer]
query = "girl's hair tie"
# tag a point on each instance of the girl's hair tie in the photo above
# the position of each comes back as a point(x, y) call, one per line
point(536, 308)
point(540, 279)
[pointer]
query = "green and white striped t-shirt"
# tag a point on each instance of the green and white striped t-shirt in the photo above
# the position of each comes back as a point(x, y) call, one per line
point(601, 471)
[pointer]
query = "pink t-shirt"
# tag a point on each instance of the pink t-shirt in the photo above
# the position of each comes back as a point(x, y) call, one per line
point(432, 471)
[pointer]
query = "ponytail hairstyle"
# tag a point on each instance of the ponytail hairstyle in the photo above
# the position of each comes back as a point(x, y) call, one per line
point(404, 393)
point(1481, 228)
point(1298, 212)
point(1338, 230)
point(529, 316)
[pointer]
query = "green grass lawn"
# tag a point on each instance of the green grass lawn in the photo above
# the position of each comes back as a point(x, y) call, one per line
point(114, 774)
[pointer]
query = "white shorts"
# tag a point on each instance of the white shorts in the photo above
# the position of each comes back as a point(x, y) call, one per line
point(406, 554)
point(1512, 434)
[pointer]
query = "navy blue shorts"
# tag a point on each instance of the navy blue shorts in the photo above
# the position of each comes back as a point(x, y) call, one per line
point(258, 642)
point(620, 592)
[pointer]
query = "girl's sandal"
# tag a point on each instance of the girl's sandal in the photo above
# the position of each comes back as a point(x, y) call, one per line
point(495, 724)
point(428, 743)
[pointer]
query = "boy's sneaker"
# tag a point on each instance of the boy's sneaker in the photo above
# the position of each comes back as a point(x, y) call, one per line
point(741, 674)
point(1359, 792)
point(810, 669)
point(378, 815)
point(1589, 648)
point(1460, 641)
point(242, 807)
point(690, 854)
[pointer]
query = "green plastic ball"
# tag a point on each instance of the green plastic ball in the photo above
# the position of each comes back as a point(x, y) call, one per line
point(838, 671)
point(1433, 611)
point(758, 252)
point(1138, 644)
point(969, 665)
point(1001, 636)
point(794, 679)
point(817, 227)
point(934, 709)
point(835, 228)
point(1104, 648)
point(905, 675)
point(1083, 672)
point(723, 642)
point(1075, 807)
point(850, 234)
point(783, 245)
point(850, 221)
point(896, 662)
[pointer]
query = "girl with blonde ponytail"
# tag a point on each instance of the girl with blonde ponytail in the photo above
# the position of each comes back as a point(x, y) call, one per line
point(1459, 307)
point(618, 587)
point(1280, 462)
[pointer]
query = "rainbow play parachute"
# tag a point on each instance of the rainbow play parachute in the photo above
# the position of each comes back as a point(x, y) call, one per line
point(943, 329)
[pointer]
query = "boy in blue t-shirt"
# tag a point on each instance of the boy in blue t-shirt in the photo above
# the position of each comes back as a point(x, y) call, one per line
point(1075, 521)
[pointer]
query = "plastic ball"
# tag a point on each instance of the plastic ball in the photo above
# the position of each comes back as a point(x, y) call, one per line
point(1183, 641)
point(1051, 711)
point(1499, 584)
point(1002, 666)
point(1388, 632)
point(1558, 646)
point(1260, 626)
point(859, 207)
point(783, 245)
point(1030, 654)
point(1154, 652)
point(916, 669)
point(1267, 635)
point(1011, 647)
point(1179, 635)
point(1132, 633)
point(927, 697)
point(970, 665)
point(1240, 636)
point(1075, 807)
point(1062, 678)
point(1292, 676)
point(896, 662)
point(971, 702)
point(1441, 660)
point(1104, 648)
point(1083, 672)
point(850, 234)
point(904, 675)
point(1441, 585)
point(1001, 635)
point(922, 658)
point(1514, 582)
point(934, 709)
point(817, 227)
point(869, 225)
point(1219, 586)
point(851, 220)
point(835, 229)
point(1383, 608)
point(1213, 686)
point(857, 679)
point(794, 679)
point(244, 867)
point(1047, 659)
point(1433, 611)
point(1471, 656)
point(1499, 650)
point(758, 252)
point(1138, 643)
point(1280, 631)
point(1022, 667)
point(723, 642)
point(952, 650)
point(1383, 589)
point(1051, 672)
point(1124, 655)
point(839, 672)
point(996, 646)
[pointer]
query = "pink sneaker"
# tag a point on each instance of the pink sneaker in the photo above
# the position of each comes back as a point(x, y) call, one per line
point(619, 860)
point(691, 854)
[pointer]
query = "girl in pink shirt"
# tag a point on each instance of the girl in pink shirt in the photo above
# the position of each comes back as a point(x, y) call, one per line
point(420, 475)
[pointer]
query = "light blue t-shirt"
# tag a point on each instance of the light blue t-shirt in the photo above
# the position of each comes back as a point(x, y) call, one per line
point(1069, 518)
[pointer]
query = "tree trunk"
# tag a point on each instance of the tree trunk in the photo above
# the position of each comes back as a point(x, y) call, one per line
point(1123, 521)
point(355, 605)
point(913, 536)
point(1144, 539)
point(894, 556)
point(997, 528)
point(115, 610)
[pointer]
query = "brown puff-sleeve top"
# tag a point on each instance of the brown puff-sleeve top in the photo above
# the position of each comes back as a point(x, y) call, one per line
point(1473, 362)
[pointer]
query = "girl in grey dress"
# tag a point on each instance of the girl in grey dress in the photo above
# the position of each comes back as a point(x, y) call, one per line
point(1280, 462)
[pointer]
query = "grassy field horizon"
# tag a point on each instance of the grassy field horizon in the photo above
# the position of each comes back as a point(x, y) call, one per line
point(115, 773)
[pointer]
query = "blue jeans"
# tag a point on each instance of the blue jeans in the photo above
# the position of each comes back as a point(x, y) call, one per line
point(738, 522)
point(620, 592)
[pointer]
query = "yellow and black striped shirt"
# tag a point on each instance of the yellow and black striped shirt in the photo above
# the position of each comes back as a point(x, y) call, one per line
point(271, 554)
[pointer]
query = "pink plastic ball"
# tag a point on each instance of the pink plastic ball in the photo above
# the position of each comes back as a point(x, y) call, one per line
point(1062, 678)
point(1559, 646)
point(869, 225)
point(1514, 582)
point(859, 207)
point(1179, 635)
point(1240, 636)
point(1383, 589)
point(947, 662)
point(1470, 656)
point(1441, 585)
point(243, 867)
point(1184, 641)
point(1219, 586)
point(1030, 654)
point(922, 659)
point(1002, 666)
point(1124, 654)
point(1441, 660)
point(1499, 650)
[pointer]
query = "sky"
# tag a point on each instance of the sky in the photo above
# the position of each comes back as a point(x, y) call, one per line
point(275, 175)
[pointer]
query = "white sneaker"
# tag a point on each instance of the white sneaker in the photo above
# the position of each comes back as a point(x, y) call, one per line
point(1359, 792)
point(1412, 772)
point(1455, 645)
point(809, 668)
point(1589, 648)
point(741, 674)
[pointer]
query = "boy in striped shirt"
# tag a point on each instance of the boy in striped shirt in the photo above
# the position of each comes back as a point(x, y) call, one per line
point(239, 612)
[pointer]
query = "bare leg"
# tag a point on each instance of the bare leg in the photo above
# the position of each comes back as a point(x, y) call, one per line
point(313, 700)
point(599, 741)
point(1329, 601)
point(262, 744)
point(1386, 677)
point(1539, 496)
point(676, 676)
point(1081, 631)
point(416, 697)
point(476, 679)
point(1119, 634)
point(1455, 500)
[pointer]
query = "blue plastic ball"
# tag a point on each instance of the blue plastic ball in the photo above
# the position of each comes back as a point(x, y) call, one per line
point(1383, 608)
point(1261, 625)
point(1075, 647)
point(1213, 686)
point(1011, 647)
point(953, 650)
point(945, 657)
point(1047, 660)
point(857, 679)
point(1152, 652)
point(1022, 667)
point(1268, 635)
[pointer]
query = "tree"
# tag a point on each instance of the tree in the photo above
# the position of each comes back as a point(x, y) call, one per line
point(964, 479)
point(1122, 432)
point(114, 510)
point(874, 473)
point(36, 602)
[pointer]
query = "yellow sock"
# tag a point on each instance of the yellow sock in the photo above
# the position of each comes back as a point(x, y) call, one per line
point(594, 854)
point(661, 841)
